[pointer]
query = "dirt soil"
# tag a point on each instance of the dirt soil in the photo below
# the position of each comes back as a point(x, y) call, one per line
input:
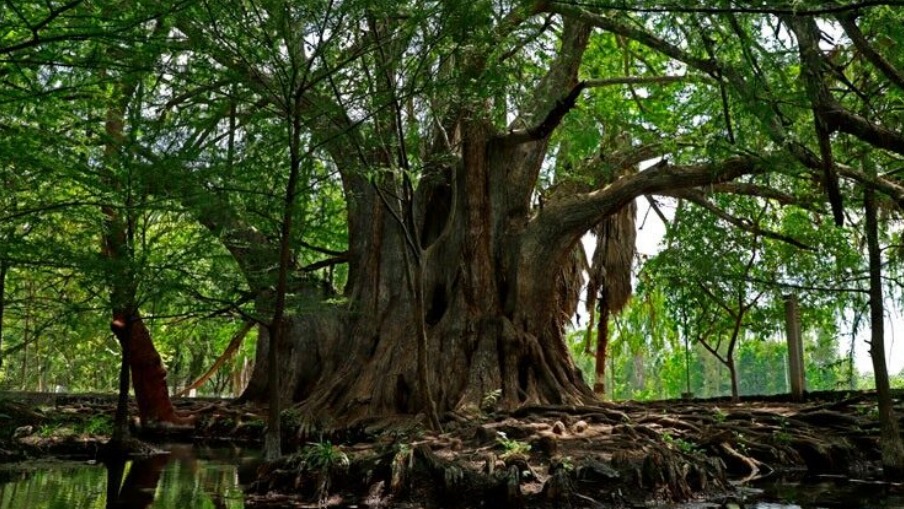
point(607, 455)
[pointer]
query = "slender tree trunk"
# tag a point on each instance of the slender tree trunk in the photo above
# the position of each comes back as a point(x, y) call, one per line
point(147, 371)
point(733, 373)
point(4, 267)
point(422, 371)
point(588, 334)
point(602, 344)
point(149, 379)
point(148, 374)
point(277, 327)
point(26, 339)
point(273, 435)
point(121, 421)
point(39, 364)
point(890, 439)
point(640, 378)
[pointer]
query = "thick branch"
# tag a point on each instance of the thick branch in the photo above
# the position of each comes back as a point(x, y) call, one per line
point(562, 75)
point(329, 262)
point(813, 65)
point(851, 123)
point(552, 120)
point(559, 224)
point(874, 57)
point(571, 10)
point(830, 114)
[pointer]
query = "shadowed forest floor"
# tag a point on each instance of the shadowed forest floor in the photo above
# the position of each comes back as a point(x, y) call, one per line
point(611, 454)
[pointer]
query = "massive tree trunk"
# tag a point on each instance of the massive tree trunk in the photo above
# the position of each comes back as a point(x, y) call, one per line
point(489, 299)
point(492, 267)
point(497, 272)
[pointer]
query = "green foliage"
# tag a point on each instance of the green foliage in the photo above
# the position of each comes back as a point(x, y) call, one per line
point(719, 415)
point(635, 355)
point(680, 444)
point(783, 434)
point(511, 447)
point(324, 456)
point(212, 97)
point(99, 424)
point(489, 400)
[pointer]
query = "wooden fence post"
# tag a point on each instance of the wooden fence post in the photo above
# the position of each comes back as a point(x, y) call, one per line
point(795, 348)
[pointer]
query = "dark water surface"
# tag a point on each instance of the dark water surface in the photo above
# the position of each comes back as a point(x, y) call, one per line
point(813, 493)
point(832, 493)
point(190, 477)
point(193, 477)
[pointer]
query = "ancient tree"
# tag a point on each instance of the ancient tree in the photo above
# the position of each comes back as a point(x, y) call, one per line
point(471, 146)
point(436, 144)
point(494, 262)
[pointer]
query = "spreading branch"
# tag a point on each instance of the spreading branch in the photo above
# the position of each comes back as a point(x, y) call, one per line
point(769, 193)
point(572, 10)
point(37, 39)
point(789, 8)
point(560, 223)
point(808, 35)
point(700, 200)
point(895, 75)
point(641, 80)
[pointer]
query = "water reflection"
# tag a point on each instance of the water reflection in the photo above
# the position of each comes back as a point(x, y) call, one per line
point(186, 478)
point(832, 493)
point(811, 493)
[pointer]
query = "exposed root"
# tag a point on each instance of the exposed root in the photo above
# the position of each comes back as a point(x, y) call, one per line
point(538, 456)
point(752, 465)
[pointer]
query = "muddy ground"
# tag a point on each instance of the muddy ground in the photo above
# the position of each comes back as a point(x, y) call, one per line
point(607, 455)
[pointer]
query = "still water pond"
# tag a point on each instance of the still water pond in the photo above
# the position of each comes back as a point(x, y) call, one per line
point(193, 477)
point(188, 478)
point(814, 493)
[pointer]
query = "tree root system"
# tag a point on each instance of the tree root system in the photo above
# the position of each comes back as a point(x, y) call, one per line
point(605, 455)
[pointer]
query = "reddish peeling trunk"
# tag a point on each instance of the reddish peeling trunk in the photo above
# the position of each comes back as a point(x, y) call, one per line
point(148, 373)
point(118, 241)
